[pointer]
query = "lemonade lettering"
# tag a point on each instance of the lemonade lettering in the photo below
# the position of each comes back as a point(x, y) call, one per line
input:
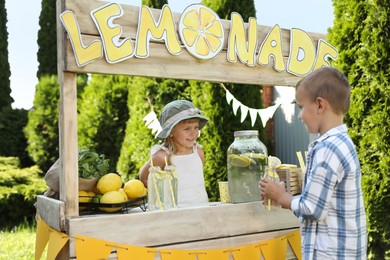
point(202, 34)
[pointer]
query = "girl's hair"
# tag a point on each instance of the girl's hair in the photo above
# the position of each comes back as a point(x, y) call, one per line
point(330, 84)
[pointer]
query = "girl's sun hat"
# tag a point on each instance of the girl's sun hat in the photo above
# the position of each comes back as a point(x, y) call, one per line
point(177, 111)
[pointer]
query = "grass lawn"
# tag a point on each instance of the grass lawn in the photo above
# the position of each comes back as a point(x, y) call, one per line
point(18, 243)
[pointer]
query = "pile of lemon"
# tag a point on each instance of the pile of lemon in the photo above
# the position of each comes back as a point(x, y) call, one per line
point(109, 191)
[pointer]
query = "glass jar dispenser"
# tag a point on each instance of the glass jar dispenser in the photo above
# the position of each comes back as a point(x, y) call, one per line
point(247, 158)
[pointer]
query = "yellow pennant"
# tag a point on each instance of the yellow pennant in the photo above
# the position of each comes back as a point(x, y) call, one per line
point(274, 249)
point(247, 252)
point(42, 237)
point(90, 248)
point(125, 252)
point(57, 241)
point(213, 254)
point(294, 239)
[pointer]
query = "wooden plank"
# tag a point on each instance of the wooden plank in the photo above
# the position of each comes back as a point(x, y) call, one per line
point(161, 228)
point(162, 64)
point(52, 212)
point(67, 126)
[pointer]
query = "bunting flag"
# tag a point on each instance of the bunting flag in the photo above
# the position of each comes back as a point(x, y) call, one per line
point(91, 248)
point(135, 252)
point(264, 113)
point(41, 238)
point(57, 241)
point(295, 243)
point(48, 236)
point(152, 122)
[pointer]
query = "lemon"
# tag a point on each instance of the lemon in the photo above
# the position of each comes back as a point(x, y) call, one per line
point(124, 194)
point(240, 160)
point(84, 196)
point(274, 161)
point(134, 189)
point(201, 31)
point(111, 197)
point(109, 182)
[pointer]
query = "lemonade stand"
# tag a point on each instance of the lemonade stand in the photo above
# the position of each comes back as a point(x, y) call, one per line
point(98, 37)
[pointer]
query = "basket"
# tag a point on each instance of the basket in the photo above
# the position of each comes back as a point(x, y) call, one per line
point(293, 179)
point(94, 208)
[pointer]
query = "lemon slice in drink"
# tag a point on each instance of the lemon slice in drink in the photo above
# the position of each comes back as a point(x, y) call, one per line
point(240, 160)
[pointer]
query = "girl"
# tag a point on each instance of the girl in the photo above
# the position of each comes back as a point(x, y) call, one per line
point(181, 123)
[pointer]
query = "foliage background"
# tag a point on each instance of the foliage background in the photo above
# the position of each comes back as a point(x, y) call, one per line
point(361, 33)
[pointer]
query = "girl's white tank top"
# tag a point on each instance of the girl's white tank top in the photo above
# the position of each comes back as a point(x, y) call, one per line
point(191, 187)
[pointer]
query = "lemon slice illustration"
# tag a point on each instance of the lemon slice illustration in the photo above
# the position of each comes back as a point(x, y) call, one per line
point(201, 31)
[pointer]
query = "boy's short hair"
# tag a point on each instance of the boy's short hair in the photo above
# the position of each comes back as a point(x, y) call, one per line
point(330, 84)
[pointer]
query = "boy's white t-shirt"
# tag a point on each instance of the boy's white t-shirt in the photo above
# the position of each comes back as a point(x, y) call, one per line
point(189, 169)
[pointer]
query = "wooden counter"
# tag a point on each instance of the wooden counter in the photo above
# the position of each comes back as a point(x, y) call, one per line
point(214, 225)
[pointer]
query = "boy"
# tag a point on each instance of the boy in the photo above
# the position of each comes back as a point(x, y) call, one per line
point(330, 208)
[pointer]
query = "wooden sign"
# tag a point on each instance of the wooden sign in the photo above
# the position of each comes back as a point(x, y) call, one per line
point(197, 44)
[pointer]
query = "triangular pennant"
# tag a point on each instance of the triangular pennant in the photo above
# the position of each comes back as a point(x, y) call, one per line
point(244, 112)
point(149, 118)
point(42, 237)
point(294, 239)
point(125, 252)
point(271, 110)
point(156, 127)
point(214, 254)
point(253, 114)
point(247, 252)
point(177, 254)
point(57, 241)
point(274, 248)
point(263, 115)
point(229, 96)
point(91, 248)
point(236, 104)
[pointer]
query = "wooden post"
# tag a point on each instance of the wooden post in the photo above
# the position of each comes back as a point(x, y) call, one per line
point(67, 126)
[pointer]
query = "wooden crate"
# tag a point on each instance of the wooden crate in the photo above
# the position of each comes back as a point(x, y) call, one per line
point(293, 179)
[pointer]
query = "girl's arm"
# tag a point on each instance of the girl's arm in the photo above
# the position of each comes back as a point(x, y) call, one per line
point(158, 160)
point(201, 154)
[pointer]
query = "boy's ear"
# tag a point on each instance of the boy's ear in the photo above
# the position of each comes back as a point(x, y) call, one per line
point(321, 104)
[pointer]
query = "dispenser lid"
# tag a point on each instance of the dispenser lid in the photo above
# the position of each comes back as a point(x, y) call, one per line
point(246, 133)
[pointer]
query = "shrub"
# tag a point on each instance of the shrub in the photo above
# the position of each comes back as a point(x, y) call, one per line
point(18, 191)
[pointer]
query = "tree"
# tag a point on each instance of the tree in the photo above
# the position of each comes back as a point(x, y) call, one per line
point(13, 142)
point(42, 128)
point(47, 39)
point(103, 115)
point(360, 32)
point(5, 90)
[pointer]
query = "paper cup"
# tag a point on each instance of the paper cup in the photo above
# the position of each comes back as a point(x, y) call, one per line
point(224, 191)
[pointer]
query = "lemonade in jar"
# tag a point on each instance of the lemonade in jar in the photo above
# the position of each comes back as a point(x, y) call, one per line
point(246, 161)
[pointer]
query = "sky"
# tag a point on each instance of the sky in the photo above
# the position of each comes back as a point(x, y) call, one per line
point(23, 17)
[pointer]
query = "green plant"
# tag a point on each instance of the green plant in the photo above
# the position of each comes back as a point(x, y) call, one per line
point(18, 192)
point(91, 164)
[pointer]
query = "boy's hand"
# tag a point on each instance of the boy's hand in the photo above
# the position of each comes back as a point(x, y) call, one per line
point(274, 191)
